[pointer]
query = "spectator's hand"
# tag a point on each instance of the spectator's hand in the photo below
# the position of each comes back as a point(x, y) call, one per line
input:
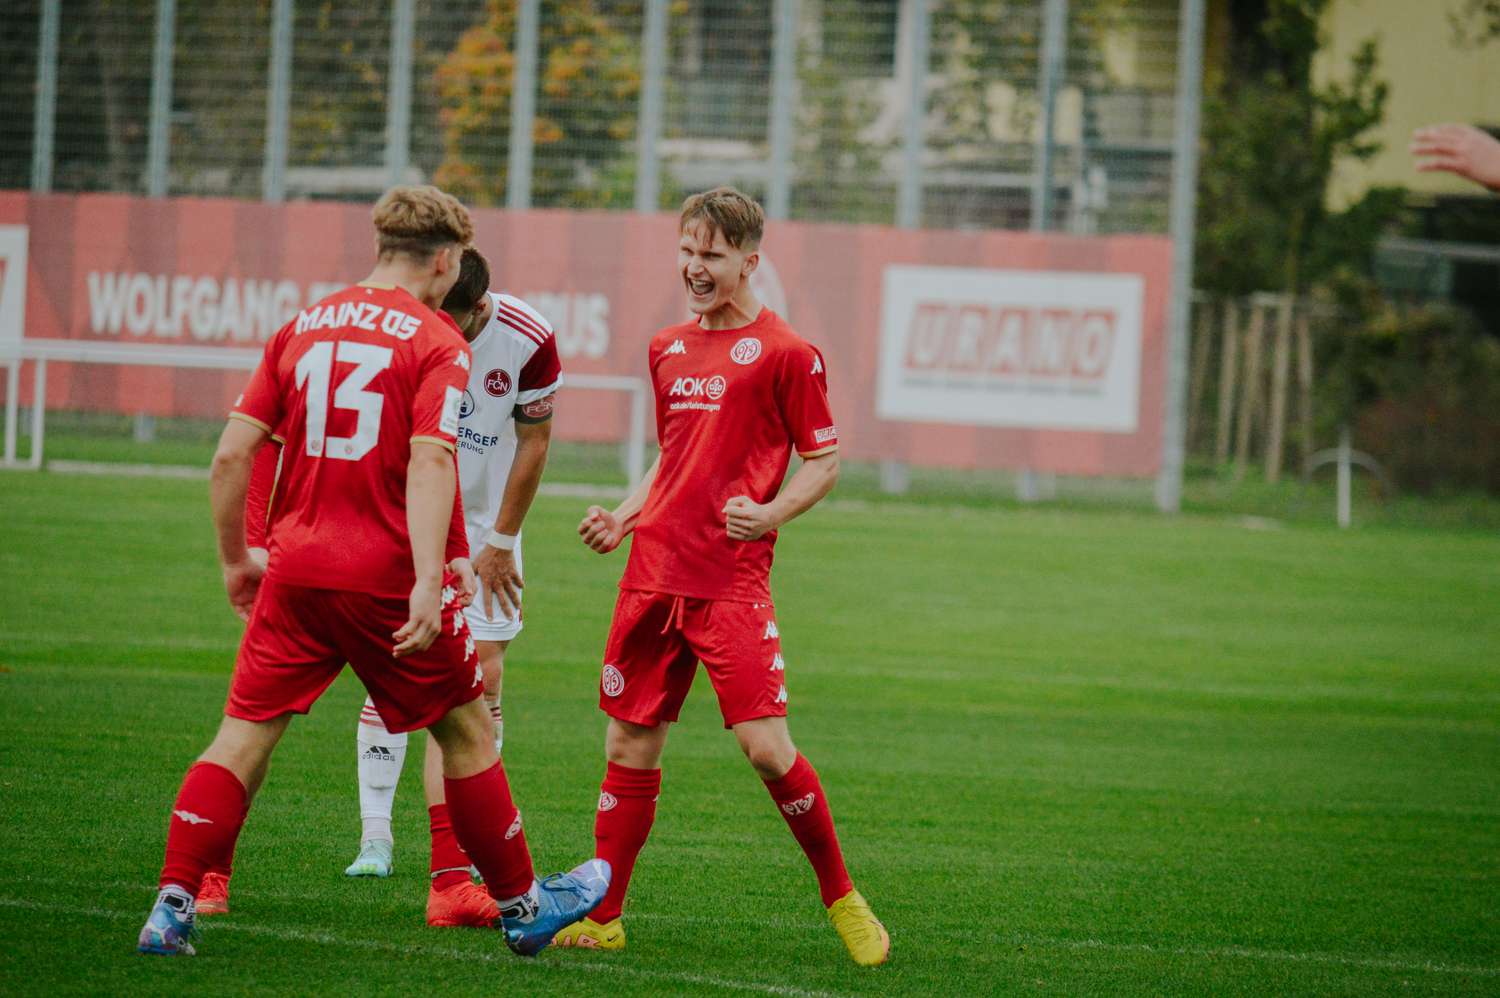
point(1461, 149)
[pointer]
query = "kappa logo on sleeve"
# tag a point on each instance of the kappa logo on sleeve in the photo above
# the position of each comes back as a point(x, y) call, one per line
point(453, 400)
point(817, 367)
point(462, 360)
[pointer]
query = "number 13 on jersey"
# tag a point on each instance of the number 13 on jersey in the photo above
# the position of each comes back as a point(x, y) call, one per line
point(315, 372)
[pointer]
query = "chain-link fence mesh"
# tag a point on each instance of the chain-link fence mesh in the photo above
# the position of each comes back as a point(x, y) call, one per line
point(218, 98)
point(852, 66)
point(18, 50)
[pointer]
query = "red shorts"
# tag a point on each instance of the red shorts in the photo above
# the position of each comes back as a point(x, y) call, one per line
point(299, 638)
point(657, 640)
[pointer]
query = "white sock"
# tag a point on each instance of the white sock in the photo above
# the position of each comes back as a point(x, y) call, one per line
point(381, 755)
point(522, 907)
point(494, 706)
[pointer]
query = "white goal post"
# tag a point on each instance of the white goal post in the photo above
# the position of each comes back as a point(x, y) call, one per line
point(40, 351)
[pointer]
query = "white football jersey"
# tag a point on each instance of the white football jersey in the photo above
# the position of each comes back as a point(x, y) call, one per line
point(515, 362)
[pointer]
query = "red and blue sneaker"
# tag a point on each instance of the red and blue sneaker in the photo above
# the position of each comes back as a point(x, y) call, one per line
point(552, 905)
point(170, 930)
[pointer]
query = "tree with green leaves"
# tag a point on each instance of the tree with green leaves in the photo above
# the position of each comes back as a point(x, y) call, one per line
point(588, 84)
point(1477, 22)
point(1272, 139)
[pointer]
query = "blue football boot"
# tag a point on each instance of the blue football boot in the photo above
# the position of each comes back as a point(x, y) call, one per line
point(170, 930)
point(559, 901)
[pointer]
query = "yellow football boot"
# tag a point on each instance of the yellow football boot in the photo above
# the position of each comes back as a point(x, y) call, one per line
point(861, 931)
point(589, 934)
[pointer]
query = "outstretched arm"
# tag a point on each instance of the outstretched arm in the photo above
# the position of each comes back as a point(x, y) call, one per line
point(604, 529)
point(747, 520)
point(1462, 149)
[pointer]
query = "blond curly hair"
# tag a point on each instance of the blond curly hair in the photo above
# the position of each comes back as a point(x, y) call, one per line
point(419, 221)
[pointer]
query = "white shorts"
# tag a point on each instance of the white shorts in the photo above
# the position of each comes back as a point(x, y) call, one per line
point(500, 627)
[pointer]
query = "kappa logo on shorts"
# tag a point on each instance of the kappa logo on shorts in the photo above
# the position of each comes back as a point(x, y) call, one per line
point(469, 652)
point(801, 805)
point(449, 595)
point(781, 695)
point(613, 682)
point(478, 674)
point(607, 801)
point(771, 631)
point(515, 827)
point(778, 664)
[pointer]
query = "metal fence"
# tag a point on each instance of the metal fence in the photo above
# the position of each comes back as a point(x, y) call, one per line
point(1038, 113)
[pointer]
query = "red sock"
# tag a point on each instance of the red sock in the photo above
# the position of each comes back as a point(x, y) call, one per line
point(450, 864)
point(800, 797)
point(224, 865)
point(488, 827)
point(627, 807)
point(204, 824)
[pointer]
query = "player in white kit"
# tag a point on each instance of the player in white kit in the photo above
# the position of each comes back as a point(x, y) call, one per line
point(503, 436)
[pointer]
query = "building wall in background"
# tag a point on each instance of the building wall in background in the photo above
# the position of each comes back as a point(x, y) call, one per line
point(1432, 76)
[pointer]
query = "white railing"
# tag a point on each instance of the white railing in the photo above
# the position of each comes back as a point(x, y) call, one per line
point(40, 351)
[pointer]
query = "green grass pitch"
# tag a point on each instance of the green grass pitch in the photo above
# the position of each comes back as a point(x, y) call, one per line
point(1068, 753)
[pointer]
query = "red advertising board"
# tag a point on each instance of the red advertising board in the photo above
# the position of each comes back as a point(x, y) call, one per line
point(961, 349)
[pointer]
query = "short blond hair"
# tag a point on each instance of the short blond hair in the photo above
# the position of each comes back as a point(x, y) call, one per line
point(734, 213)
point(419, 221)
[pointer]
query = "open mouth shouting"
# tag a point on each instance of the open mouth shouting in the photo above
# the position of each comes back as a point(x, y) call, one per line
point(702, 291)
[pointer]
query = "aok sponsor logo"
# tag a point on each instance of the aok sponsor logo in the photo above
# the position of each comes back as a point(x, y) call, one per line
point(712, 387)
point(996, 341)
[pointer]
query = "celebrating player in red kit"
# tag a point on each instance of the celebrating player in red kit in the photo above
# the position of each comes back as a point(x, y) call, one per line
point(366, 387)
point(736, 392)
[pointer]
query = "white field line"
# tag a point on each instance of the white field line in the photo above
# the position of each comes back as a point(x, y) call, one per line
point(499, 957)
point(564, 489)
point(1044, 942)
point(780, 921)
point(1253, 953)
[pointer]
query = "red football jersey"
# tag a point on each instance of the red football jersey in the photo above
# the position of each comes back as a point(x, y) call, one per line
point(350, 382)
point(731, 405)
